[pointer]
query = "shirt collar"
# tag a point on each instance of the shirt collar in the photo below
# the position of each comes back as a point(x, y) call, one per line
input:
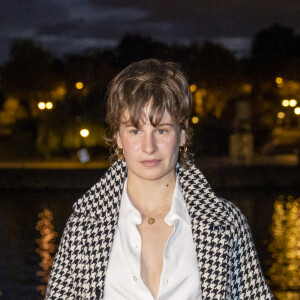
point(126, 205)
point(178, 207)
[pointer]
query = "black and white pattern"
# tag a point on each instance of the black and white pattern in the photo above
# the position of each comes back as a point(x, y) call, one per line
point(228, 263)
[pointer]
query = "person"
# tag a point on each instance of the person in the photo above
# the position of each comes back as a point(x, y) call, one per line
point(152, 227)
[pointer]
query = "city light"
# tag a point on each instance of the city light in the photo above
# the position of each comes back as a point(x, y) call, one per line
point(41, 105)
point(193, 87)
point(49, 105)
point(297, 111)
point(285, 103)
point(84, 133)
point(293, 102)
point(195, 120)
point(279, 80)
point(79, 85)
point(280, 115)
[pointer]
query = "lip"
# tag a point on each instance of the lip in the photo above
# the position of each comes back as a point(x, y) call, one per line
point(150, 162)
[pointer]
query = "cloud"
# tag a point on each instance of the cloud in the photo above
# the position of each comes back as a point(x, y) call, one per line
point(69, 25)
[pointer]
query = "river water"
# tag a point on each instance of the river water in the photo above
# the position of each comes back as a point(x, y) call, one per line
point(32, 221)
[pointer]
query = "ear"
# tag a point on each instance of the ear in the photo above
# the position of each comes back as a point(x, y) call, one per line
point(119, 141)
point(182, 138)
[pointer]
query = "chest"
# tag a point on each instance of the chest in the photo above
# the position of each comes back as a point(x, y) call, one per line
point(154, 237)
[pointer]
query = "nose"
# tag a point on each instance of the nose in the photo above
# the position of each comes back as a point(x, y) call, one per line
point(148, 143)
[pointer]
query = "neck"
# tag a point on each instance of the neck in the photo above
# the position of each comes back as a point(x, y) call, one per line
point(151, 196)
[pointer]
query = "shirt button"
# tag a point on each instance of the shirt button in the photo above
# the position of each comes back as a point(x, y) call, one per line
point(134, 246)
point(134, 278)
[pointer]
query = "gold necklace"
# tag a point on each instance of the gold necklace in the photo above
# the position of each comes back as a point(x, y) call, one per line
point(151, 220)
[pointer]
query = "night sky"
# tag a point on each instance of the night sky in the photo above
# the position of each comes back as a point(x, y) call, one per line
point(65, 26)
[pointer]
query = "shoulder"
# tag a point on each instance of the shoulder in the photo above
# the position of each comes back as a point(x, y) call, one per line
point(233, 212)
point(103, 199)
point(238, 224)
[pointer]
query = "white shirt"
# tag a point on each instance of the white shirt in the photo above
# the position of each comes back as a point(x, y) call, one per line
point(180, 278)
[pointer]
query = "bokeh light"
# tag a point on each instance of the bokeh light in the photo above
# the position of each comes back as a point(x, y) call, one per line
point(293, 102)
point(280, 115)
point(41, 105)
point(49, 105)
point(285, 102)
point(193, 87)
point(279, 80)
point(297, 111)
point(84, 132)
point(195, 120)
point(79, 85)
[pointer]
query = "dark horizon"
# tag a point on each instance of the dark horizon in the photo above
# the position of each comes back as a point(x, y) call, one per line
point(71, 26)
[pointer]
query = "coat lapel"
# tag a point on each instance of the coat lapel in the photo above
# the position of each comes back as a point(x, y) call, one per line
point(210, 233)
point(101, 206)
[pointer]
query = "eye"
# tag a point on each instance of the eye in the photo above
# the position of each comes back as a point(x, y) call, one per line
point(161, 131)
point(135, 131)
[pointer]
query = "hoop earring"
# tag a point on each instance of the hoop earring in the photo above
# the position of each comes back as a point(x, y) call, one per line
point(120, 153)
point(184, 150)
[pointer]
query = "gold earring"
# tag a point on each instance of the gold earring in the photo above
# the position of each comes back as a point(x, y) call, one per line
point(184, 149)
point(120, 153)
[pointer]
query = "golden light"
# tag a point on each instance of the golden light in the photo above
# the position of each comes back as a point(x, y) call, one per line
point(49, 105)
point(84, 133)
point(247, 88)
point(280, 115)
point(195, 120)
point(79, 85)
point(61, 91)
point(285, 102)
point(297, 111)
point(293, 102)
point(193, 87)
point(279, 80)
point(41, 105)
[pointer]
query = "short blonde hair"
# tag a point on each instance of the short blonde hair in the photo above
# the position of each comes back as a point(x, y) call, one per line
point(162, 85)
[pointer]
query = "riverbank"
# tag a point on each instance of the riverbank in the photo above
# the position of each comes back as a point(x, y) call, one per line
point(222, 173)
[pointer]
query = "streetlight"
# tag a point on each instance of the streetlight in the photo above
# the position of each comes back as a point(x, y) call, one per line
point(84, 132)
point(79, 85)
point(49, 105)
point(293, 102)
point(279, 82)
point(285, 103)
point(195, 120)
point(297, 111)
point(193, 87)
point(41, 105)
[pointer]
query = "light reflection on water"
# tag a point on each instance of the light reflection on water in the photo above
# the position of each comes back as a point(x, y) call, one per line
point(284, 272)
point(47, 247)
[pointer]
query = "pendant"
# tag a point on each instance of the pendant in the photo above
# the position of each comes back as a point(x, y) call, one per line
point(151, 221)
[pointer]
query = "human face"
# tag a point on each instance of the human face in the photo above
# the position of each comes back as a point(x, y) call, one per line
point(150, 152)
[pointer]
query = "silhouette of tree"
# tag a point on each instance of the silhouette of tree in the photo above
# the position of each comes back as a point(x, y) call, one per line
point(29, 73)
point(271, 49)
point(133, 48)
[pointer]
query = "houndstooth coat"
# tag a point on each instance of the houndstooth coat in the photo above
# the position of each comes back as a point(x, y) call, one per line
point(228, 263)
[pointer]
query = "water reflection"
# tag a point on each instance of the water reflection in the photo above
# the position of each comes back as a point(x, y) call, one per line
point(47, 247)
point(284, 272)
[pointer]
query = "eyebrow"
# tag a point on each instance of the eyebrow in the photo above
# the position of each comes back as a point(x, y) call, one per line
point(128, 124)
